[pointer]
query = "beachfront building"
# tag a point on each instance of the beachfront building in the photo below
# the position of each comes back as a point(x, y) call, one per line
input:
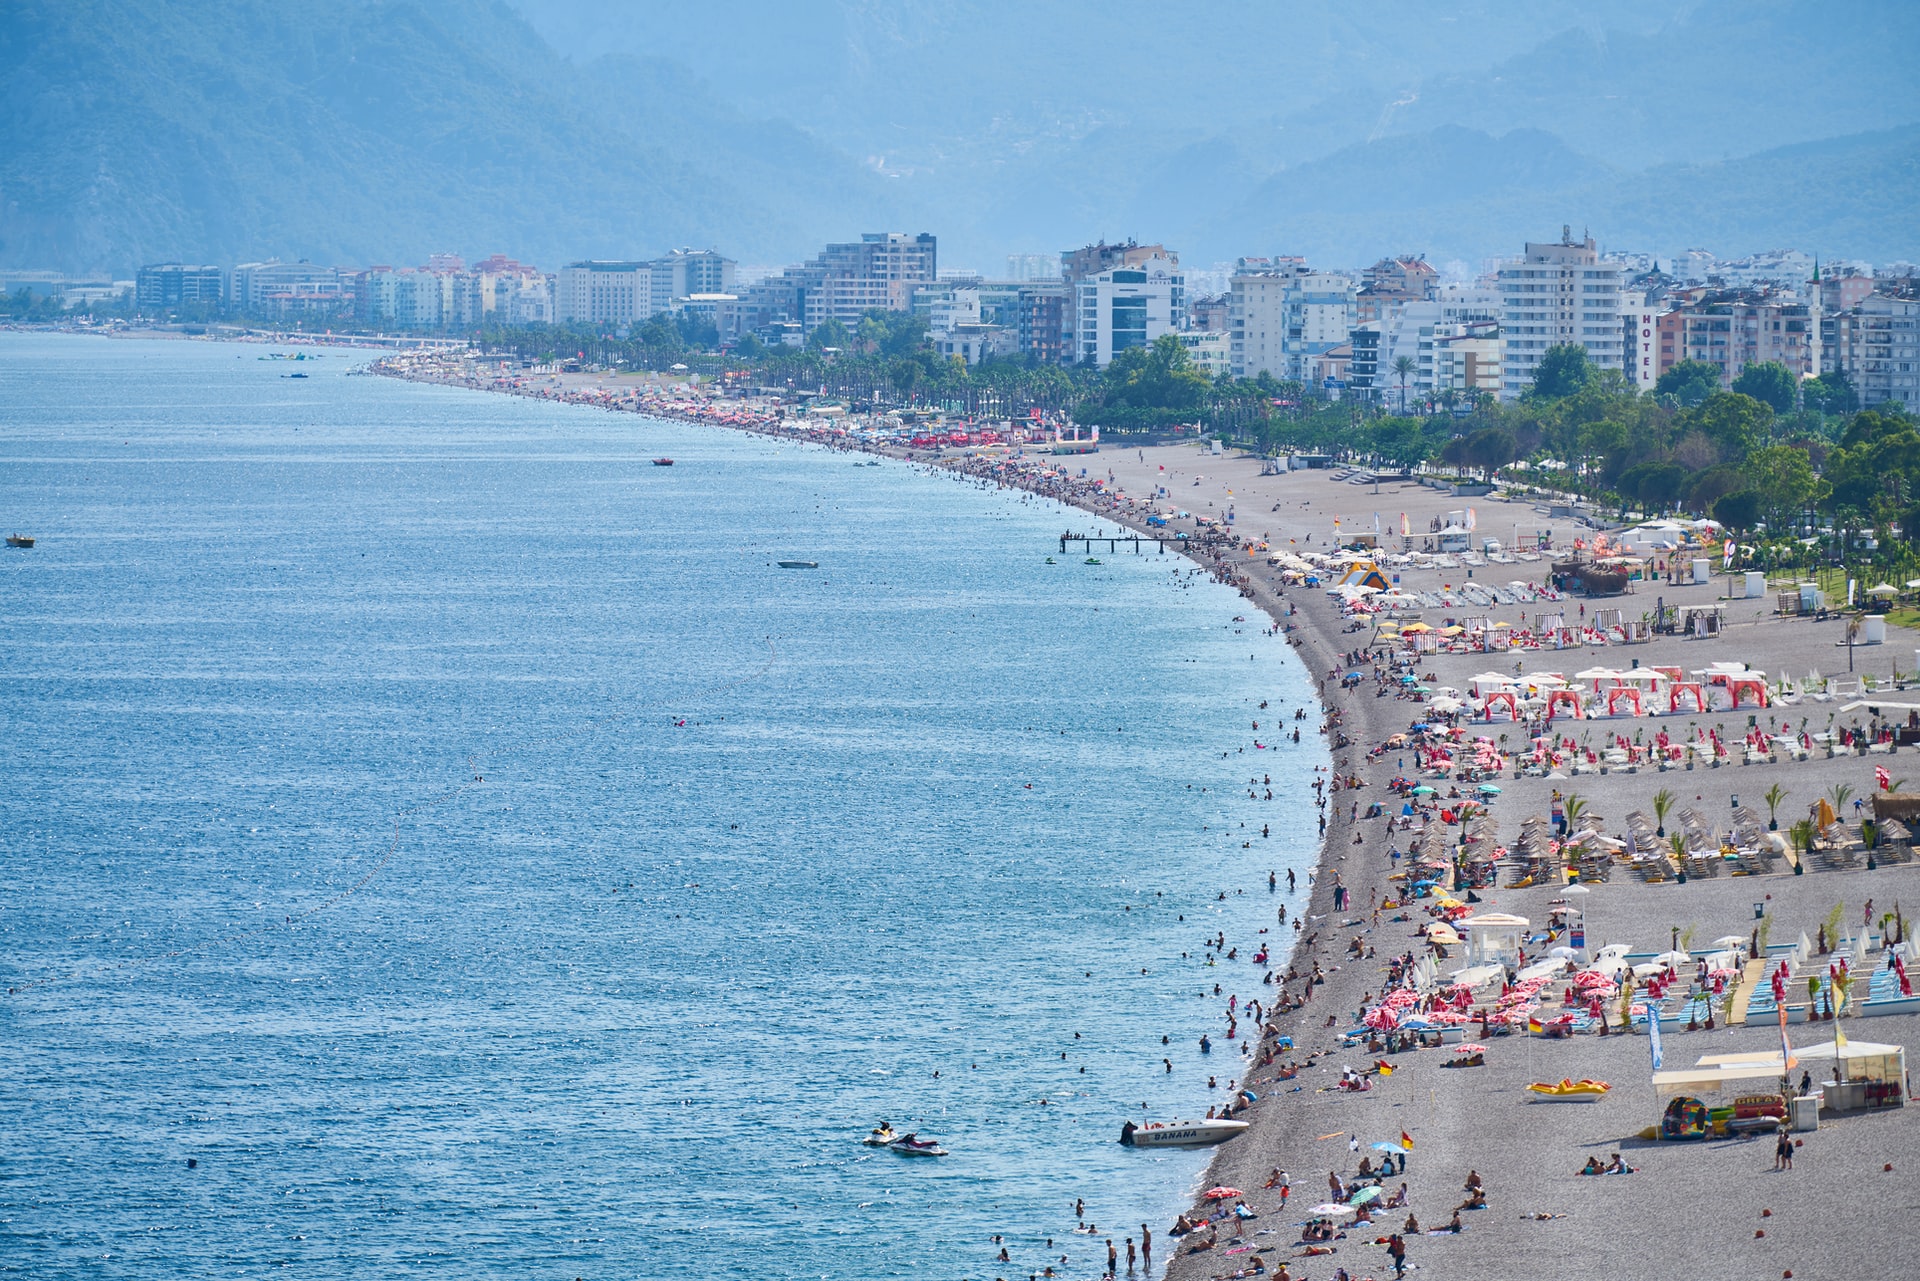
point(1391, 283)
point(601, 292)
point(878, 272)
point(1210, 351)
point(1559, 293)
point(681, 273)
point(169, 285)
point(423, 299)
point(1283, 316)
point(1041, 322)
point(1877, 346)
point(251, 284)
point(1077, 266)
point(1126, 307)
point(1731, 329)
point(1465, 358)
point(1405, 330)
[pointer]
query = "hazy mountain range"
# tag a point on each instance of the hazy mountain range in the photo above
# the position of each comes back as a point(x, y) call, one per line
point(383, 130)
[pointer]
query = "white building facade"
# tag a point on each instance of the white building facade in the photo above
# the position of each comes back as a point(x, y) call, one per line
point(1129, 307)
point(1559, 293)
point(603, 293)
point(1280, 322)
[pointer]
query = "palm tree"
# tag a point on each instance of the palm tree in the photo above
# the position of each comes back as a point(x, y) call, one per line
point(1840, 794)
point(1574, 809)
point(1803, 835)
point(1403, 367)
point(1774, 795)
point(1662, 806)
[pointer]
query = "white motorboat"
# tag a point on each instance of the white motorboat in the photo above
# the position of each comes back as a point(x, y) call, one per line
point(1179, 1133)
point(914, 1145)
point(880, 1136)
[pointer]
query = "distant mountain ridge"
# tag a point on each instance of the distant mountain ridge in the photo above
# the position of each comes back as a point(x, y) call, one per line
point(376, 131)
point(385, 130)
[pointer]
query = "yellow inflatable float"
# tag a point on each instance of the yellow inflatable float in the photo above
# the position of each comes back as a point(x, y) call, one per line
point(1584, 1090)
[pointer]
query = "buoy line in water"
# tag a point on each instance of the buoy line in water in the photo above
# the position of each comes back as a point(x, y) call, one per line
point(474, 779)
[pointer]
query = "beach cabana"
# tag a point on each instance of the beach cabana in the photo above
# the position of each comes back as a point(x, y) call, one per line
point(1680, 691)
point(1624, 694)
point(1564, 698)
point(1498, 697)
point(1494, 938)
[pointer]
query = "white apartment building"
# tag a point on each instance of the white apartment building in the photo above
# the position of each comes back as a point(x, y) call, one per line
point(1280, 321)
point(603, 293)
point(530, 300)
point(1559, 293)
point(251, 284)
point(685, 272)
point(422, 299)
point(1887, 351)
point(1464, 357)
point(1409, 328)
point(1210, 350)
point(1127, 307)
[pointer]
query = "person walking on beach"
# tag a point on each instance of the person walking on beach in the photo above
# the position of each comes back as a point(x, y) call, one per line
point(1397, 1251)
point(1783, 1152)
point(1146, 1247)
point(1130, 1256)
point(1113, 1258)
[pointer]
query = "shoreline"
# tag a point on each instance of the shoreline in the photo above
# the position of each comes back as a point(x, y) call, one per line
point(1312, 641)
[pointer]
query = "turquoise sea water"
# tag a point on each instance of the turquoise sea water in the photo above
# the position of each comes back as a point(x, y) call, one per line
point(700, 867)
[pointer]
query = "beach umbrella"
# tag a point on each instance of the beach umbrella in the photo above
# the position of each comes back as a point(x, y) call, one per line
point(1673, 958)
point(1364, 1195)
point(1221, 1194)
point(1381, 1019)
point(1488, 789)
point(1423, 790)
point(1388, 1147)
point(1731, 940)
point(1332, 1209)
point(1564, 953)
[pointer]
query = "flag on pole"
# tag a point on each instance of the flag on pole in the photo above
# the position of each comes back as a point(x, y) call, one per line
point(1376, 522)
point(1786, 1046)
point(1880, 776)
point(1653, 1036)
point(1473, 520)
point(1406, 530)
point(1726, 555)
point(1406, 1141)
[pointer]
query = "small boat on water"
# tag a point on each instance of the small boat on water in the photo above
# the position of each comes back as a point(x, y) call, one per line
point(663, 462)
point(19, 540)
point(798, 564)
point(1091, 560)
point(914, 1145)
point(293, 375)
point(1179, 1134)
point(1052, 561)
point(880, 1136)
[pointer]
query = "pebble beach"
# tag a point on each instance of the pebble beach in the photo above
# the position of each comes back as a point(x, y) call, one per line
point(1706, 1209)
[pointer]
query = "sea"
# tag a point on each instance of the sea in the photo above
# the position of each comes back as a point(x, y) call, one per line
point(436, 841)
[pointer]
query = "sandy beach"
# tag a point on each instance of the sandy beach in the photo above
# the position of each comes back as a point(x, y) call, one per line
point(1707, 1209)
